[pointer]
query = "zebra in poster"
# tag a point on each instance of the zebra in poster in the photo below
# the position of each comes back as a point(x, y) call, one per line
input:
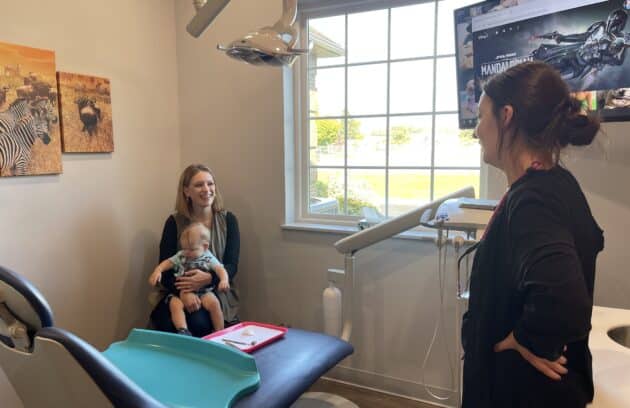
point(16, 145)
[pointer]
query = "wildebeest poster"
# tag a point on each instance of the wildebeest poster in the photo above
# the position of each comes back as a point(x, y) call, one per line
point(30, 140)
point(86, 113)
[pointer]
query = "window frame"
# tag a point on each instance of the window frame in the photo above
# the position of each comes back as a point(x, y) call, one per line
point(297, 116)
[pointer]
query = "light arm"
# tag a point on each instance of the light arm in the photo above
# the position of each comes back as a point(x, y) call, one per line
point(205, 16)
point(389, 228)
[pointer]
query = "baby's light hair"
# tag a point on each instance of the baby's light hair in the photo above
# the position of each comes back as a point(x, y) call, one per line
point(195, 232)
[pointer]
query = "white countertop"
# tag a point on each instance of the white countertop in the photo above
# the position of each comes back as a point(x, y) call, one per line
point(611, 361)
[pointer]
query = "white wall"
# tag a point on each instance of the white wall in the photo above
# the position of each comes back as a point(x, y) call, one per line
point(88, 238)
point(232, 119)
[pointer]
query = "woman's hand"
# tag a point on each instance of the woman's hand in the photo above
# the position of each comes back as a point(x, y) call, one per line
point(191, 301)
point(552, 369)
point(193, 280)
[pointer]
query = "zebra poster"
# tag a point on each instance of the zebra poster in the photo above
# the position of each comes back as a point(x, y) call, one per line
point(30, 140)
point(86, 113)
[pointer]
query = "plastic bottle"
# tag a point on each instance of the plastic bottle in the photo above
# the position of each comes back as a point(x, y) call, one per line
point(332, 309)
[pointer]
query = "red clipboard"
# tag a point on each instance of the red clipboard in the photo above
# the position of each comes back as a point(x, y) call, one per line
point(247, 336)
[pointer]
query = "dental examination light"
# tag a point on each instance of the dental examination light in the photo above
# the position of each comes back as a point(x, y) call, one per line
point(270, 45)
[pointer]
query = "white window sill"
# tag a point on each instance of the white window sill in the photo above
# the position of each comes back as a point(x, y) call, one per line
point(348, 230)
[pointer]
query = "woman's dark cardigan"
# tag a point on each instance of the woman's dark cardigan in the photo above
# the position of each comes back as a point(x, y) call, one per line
point(533, 275)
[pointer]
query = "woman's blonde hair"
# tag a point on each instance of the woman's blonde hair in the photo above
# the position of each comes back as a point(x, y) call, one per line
point(183, 205)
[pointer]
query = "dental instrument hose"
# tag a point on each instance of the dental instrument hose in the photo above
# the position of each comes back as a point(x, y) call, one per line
point(442, 257)
point(442, 243)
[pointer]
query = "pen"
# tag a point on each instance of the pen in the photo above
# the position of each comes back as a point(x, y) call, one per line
point(238, 342)
point(231, 344)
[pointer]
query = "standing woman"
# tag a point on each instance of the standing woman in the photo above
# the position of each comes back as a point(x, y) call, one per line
point(199, 200)
point(525, 334)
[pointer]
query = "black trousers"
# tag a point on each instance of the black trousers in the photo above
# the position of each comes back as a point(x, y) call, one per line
point(515, 383)
point(199, 322)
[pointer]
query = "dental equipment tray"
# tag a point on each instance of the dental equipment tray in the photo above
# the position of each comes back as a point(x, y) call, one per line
point(183, 371)
point(247, 336)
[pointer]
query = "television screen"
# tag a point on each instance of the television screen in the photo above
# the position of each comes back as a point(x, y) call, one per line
point(585, 40)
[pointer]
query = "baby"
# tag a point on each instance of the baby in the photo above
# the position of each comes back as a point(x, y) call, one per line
point(194, 254)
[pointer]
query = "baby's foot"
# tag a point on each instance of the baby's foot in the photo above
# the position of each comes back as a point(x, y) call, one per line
point(184, 332)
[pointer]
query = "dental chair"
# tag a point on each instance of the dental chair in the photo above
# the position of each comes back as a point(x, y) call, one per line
point(51, 367)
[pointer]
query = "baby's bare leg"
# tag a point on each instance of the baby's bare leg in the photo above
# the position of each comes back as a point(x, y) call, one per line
point(212, 305)
point(178, 317)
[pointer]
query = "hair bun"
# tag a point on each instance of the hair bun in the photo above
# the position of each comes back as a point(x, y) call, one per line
point(574, 105)
point(579, 120)
point(580, 129)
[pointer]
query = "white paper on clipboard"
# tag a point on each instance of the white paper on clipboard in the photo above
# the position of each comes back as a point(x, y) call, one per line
point(246, 337)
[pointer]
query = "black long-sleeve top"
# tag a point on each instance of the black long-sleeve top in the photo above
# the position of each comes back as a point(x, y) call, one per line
point(533, 275)
point(169, 245)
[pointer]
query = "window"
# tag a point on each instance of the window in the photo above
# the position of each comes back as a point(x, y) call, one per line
point(377, 100)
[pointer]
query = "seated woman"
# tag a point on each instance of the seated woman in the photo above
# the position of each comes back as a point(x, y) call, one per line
point(199, 200)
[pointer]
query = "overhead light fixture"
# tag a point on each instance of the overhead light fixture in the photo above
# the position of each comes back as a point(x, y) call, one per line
point(271, 45)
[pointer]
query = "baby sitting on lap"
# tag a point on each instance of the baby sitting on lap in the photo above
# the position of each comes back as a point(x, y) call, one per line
point(194, 254)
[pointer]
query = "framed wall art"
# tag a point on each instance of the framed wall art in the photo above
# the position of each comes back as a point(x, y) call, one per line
point(30, 142)
point(86, 113)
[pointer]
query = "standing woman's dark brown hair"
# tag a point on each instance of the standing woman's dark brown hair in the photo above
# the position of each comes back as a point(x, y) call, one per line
point(546, 117)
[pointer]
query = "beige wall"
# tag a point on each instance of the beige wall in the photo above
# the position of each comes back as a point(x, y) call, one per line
point(603, 170)
point(232, 119)
point(88, 238)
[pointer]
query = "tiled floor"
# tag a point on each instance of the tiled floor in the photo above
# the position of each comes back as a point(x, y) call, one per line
point(365, 398)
